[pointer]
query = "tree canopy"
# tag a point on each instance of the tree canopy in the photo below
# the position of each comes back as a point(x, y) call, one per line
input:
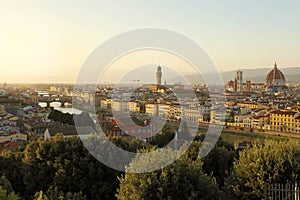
point(184, 179)
point(271, 162)
point(62, 168)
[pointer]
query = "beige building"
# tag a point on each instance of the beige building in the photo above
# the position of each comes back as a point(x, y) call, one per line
point(285, 121)
point(240, 118)
point(120, 106)
point(152, 109)
point(133, 106)
point(261, 122)
point(161, 110)
point(218, 117)
point(248, 105)
point(13, 137)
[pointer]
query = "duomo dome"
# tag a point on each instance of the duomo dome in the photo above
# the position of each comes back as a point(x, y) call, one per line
point(275, 78)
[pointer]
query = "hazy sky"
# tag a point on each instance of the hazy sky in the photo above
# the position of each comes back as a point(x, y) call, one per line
point(48, 40)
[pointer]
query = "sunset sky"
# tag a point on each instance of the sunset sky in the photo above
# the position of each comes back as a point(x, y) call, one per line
point(47, 41)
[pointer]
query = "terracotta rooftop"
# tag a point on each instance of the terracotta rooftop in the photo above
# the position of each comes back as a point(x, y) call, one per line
point(282, 112)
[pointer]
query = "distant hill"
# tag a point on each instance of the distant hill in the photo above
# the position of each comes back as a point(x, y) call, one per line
point(292, 75)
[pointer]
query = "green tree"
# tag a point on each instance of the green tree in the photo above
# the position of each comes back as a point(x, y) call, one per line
point(142, 107)
point(38, 173)
point(3, 193)
point(56, 115)
point(6, 190)
point(271, 162)
point(183, 179)
point(219, 163)
point(62, 167)
point(5, 185)
point(12, 167)
point(76, 195)
point(55, 194)
point(40, 196)
point(163, 139)
point(66, 164)
point(13, 196)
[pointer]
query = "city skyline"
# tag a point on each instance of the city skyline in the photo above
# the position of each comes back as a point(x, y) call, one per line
point(139, 99)
point(45, 42)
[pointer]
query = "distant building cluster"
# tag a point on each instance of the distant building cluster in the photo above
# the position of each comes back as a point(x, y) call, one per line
point(10, 134)
point(249, 106)
point(272, 107)
point(274, 82)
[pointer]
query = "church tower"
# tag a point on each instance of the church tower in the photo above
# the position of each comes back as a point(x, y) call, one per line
point(158, 75)
point(239, 81)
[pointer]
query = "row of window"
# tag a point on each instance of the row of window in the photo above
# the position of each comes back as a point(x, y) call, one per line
point(280, 119)
point(285, 124)
point(282, 115)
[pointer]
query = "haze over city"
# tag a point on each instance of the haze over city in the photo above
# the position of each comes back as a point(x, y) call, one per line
point(160, 99)
point(47, 41)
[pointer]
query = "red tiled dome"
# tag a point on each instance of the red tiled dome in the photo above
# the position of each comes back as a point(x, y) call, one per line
point(275, 74)
point(230, 84)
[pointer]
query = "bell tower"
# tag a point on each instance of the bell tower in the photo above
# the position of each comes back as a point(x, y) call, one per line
point(239, 79)
point(158, 75)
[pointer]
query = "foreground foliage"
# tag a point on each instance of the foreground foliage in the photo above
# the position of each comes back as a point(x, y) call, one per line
point(62, 168)
point(183, 179)
point(271, 162)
